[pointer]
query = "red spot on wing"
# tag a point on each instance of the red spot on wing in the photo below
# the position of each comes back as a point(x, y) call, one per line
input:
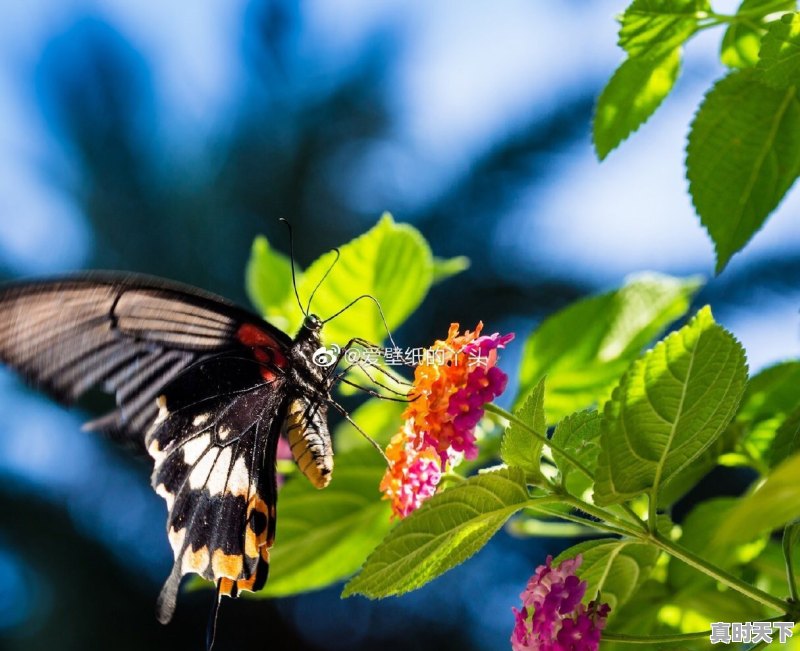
point(252, 335)
point(265, 348)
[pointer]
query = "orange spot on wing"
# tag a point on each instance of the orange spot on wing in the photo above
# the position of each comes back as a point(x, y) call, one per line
point(226, 565)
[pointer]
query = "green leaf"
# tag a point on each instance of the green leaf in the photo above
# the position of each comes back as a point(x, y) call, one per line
point(689, 477)
point(444, 268)
point(268, 280)
point(325, 535)
point(519, 447)
point(670, 406)
point(779, 58)
point(381, 419)
point(585, 348)
point(774, 503)
point(391, 261)
point(743, 156)
point(445, 531)
point(631, 96)
point(769, 398)
point(791, 534)
point(655, 27)
point(579, 435)
point(614, 568)
point(699, 528)
point(742, 39)
point(787, 440)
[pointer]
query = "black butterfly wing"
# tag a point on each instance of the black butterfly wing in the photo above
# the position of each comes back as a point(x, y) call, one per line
point(127, 333)
point(217, 428)
point(198, 381)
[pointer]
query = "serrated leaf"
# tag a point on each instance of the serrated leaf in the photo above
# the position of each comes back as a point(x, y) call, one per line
point(743, 156)
point(690, 476)
point(519, 447)
point(631, 96)
point(614, 568)
point(774, 503)
point(445, 531)
point(655, 27)
point(325, 535)
point(268, 280)
point(585, 348)
point(578, 435)
point(669, 407)
point(742, 39)
point(779, 57)
point(444, 268)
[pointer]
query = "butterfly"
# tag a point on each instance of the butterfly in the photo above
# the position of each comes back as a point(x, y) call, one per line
point(204, 387)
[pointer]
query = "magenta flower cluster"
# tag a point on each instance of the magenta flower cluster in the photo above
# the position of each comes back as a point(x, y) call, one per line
point(552, 617)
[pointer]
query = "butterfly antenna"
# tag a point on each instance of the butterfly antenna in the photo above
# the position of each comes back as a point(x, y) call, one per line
point(291, 261)
point(211, 630)
point(324, 276)
point(380, 311)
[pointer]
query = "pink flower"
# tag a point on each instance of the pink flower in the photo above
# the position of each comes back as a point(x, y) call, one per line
point(452, 383)
point(414, 472)
point(553, 617)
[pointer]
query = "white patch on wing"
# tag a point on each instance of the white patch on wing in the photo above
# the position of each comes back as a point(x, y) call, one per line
point(223, 432)
point(200, 419)
point(219, 475)
point(176, 539)
point(161, 489)
point(199, 475)
point(155, 451)
point(239, 479)
point(194, 448)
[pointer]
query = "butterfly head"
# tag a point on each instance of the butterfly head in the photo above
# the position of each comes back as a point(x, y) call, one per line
point(312, 323)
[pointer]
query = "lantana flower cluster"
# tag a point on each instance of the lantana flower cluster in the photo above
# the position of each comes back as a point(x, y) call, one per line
point(552, 617)
point(455, 379)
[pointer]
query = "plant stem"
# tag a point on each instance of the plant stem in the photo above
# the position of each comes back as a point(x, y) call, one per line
point(791, 578)
point(603, 515)
point(691, 559)
point(626, 510)
point(594, 524)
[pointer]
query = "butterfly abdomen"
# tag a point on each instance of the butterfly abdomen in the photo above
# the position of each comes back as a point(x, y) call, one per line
point(306, 429)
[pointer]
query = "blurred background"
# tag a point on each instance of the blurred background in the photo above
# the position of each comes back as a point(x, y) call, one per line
point(157, 138)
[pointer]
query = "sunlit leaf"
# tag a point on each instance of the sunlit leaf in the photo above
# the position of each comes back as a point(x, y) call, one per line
point(774, 503)
point(578, 435)
point(325, 535)
point(614, 568)
point(268, 280)
point(585, 348)
point(742, 39)
point(743, 156)
point(655, 27)
point(670, 406)
point(631, 96)
point(779, 57)
point(445, 531)
point(771, 395)
point(519, 447)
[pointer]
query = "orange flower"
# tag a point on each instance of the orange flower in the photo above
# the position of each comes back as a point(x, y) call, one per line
point(455, 378)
